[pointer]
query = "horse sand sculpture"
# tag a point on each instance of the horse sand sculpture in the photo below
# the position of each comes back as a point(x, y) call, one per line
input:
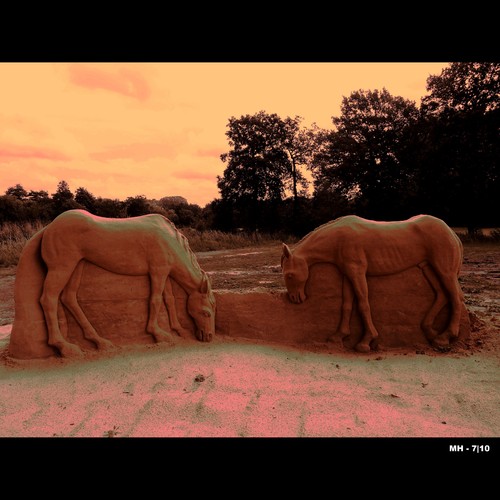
point(147, 245)
point(360, 248)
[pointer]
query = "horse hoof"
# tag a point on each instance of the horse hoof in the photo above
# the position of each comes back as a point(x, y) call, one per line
point(183, 332)
point(164, 339)
point(430, 333)
point(362, 347)
point(441, 341)
point(71, 352)
point(336, 340)
point(106, 345)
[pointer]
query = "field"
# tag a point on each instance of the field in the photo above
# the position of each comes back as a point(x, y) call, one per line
point(238, 388)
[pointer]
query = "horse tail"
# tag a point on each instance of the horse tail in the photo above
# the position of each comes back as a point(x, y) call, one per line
point(28, 339)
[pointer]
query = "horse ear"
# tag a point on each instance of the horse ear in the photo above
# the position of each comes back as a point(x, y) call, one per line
point(204, 284)
point(287, 253)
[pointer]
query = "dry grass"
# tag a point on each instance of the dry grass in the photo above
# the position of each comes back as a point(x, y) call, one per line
point(485, 235)
point(207, 241)
point(13, 237)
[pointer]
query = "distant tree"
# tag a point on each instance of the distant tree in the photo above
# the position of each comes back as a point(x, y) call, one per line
point(189, 215)
point(12, 209)
point(38, 196)
point(172, 201)
point(360, 159)
point(136, 206)
point(63, 199)
point(265, 154)
point(17, 191)
point(171, 204)
point(220, 215)
point(86, 199)
point(39, 206)
point(112, 208)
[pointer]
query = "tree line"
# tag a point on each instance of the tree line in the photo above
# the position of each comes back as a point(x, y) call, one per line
point(19, 205)
point(385, 159)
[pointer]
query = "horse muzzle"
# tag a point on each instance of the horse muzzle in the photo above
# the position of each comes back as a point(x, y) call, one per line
point(204, 336)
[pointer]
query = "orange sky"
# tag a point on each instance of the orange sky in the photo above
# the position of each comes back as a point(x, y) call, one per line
point(158, 129)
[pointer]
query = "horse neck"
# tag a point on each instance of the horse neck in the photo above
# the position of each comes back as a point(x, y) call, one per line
point(187, 276)
point(186, 271)
point(316, 247)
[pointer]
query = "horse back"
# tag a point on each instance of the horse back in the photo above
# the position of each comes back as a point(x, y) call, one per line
point(77, 234)
point(386, 247)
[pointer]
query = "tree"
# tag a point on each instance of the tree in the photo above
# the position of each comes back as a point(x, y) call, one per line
point(106, 207)
point(63, 199)
point(464, 87)
point(39, 206)
point(360, 159)
point(458, 147)
point(86, 199)
point(38, 196)
point(172, 201)
point(136, 206)
point(17, 191)
point(263, 162)
point(298, 145)
point(11, 209)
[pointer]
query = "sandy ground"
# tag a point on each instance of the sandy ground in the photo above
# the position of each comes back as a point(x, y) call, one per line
point(237, 388)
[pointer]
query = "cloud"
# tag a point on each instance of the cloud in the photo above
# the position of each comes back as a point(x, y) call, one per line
point(121, 80)
point(194, 175)
point(11, 152)
point(209, 152)
point(137, 152)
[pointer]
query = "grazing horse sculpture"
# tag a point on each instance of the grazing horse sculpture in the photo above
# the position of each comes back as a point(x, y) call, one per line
point(147, 245)
point(360, 248)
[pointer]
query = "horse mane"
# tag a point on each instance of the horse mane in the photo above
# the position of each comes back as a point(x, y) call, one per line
point(184, 243)
point(320, 227)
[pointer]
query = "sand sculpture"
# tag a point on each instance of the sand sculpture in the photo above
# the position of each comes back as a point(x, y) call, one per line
point(86, 284)
point(361, 248)
point(50, 273)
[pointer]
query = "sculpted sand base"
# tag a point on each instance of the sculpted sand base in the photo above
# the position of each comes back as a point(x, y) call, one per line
point(398, 304)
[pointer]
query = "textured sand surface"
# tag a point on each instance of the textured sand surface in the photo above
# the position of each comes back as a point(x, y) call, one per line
point(240, 389)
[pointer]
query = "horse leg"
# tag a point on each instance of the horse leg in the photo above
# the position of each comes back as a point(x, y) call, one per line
point(450, 283)
point(52, 288)
point(169, 299)
point(360, 286)
point(157, 279)
point(344, 328)
point(439, 301)
point(70, 300)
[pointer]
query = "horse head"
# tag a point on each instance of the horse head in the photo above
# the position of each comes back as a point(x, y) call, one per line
point(295, 271)
point(201, 307)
